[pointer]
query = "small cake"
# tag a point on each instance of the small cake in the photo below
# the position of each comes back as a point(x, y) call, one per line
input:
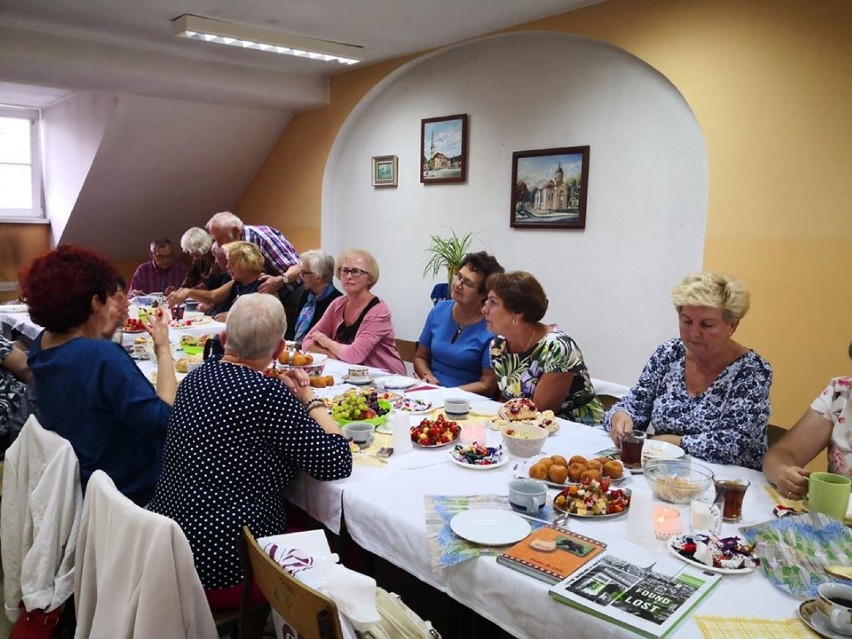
point(519, 409)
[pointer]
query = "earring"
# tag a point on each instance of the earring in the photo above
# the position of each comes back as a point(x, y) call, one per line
point(514, 322)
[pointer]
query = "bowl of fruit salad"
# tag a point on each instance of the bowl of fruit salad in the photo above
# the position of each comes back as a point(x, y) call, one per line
point(360, 406)
point(434, 433)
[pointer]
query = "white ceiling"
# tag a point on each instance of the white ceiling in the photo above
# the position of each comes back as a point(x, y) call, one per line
point(126, 45)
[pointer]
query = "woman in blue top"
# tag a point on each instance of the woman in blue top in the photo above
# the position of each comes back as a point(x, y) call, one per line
point(453, 347)
point(87, 388)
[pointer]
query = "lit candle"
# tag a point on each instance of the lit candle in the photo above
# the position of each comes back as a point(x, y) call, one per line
point(666, 522)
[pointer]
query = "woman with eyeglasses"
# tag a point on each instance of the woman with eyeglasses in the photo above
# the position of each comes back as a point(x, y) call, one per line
point(453, 347)
point(318, 276)
point(357, 327)
point(535, 360)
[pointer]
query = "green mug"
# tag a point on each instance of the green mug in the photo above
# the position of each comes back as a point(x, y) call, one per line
point(828, 493)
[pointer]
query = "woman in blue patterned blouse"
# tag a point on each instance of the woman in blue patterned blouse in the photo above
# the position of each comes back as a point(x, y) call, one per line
point(704, 392)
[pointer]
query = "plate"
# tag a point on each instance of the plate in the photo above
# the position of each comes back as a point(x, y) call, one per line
point(192, 350)
point(361, 381)
point(412, 405)
point(816, 621)
point(522, 470)
point(13, 308)
point(490, 526)
point(189, 323)
point(399, 381)
point(318, 360)
point(607, 516)
point(449, 443)
point(499, 464)
point(658, 449)
point(698, 564)
point(485, 409)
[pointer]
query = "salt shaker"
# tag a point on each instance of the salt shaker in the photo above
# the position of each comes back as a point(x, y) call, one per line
point(401, 433)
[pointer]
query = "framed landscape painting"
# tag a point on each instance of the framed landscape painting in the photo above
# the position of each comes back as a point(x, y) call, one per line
point(549, 188)
point(384, 170)
point(443, 149)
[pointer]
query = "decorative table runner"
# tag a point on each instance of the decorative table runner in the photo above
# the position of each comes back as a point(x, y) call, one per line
point(750, 628)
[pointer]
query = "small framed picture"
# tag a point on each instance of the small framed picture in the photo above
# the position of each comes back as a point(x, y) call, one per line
point(384, 170)
point(443, 149)
point(549, 188)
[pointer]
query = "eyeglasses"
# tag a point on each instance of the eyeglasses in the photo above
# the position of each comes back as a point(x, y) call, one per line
point(354, 272)
point(466, 283)
point(161, 256)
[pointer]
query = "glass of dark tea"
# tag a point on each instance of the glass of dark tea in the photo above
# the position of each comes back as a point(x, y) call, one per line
point(733, 492)
point(631, 448)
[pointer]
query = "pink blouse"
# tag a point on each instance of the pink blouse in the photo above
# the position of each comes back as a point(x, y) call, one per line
point(374, 345)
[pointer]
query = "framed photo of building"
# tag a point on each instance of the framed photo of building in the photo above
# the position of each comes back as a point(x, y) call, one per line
point(443, 149)
point(384, 170)
point(549, 188)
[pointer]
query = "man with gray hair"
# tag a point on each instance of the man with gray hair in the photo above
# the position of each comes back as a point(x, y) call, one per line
point(162, 274)
point(282, 266)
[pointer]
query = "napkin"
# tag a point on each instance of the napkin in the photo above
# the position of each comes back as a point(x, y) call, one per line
point(752, 628)
point(800, 505)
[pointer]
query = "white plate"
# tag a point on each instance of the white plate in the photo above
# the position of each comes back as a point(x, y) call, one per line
point(399, 381)
point(490, 526)
point(485, 409)
point(13, 308)
point(412, 406)
point(503, 461)
point(361, 381)
point(522, 471)
point(698, 564)
point(658, 449)
point(816, 621)
point(319, 358)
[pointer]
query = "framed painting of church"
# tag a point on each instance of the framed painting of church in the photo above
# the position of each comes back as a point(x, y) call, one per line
point(443, 149)
point(549, 188)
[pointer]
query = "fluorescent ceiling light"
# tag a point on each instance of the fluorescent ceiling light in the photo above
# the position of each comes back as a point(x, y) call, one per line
point(248, 37)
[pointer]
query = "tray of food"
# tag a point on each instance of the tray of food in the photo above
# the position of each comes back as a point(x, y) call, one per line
point(595, 499)
point(525, 411)
point(478, 457)
point(727, 555)
point(435, 433)
point(557, 470)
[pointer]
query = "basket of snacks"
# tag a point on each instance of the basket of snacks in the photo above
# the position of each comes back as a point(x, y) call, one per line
point(523, 440)
point(677, 480)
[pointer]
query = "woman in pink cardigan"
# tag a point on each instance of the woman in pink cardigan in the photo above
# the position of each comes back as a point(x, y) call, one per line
point(357, 327)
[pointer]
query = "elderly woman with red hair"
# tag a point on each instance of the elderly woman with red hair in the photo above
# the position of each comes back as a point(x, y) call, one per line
point(87, 389)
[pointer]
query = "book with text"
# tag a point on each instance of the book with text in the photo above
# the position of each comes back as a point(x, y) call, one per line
point(649, 600)
point(570, 553)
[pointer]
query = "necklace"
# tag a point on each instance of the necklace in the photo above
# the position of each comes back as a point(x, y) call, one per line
point(461, 325)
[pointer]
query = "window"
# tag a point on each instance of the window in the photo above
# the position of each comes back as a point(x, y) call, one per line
point(20, 163)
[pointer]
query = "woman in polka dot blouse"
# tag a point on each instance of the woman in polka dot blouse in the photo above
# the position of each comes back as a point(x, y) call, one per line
point(236, 440)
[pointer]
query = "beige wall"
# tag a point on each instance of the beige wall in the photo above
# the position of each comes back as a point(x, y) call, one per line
point(768, 82)
point(20, 244)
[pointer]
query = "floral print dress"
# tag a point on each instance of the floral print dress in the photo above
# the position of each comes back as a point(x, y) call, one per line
point(835, 405)
point(518, 374)
point(12, 390)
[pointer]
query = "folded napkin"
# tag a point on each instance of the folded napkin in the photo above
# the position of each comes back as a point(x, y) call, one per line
point(749, 628)
point(307, 557)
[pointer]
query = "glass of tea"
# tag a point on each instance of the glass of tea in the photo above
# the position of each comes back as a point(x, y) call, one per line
point(732, 492)
point(631, 448)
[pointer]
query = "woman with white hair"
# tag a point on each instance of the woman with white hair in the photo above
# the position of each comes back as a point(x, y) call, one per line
point(357, 327)
point(704, 392)
point(318, 275)
point(236, 440)
point(204, 272)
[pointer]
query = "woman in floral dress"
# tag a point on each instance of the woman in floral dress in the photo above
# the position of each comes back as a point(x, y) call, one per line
point(535, 360)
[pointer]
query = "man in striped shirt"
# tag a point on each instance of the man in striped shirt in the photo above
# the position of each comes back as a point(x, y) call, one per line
point(162, 273)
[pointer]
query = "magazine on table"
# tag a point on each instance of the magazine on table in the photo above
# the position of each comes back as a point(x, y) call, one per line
point(650, 600)
point(551, 554)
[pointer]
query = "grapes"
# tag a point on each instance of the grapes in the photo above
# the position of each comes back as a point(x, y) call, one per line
point(354, 405)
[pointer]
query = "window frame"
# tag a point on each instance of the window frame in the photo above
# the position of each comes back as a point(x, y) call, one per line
point(37, 211)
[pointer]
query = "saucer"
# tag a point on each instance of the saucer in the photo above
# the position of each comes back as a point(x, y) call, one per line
point(817, 621)
point(359, 381)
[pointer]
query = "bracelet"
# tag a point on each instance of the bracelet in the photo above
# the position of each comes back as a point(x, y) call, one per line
point(316, 402)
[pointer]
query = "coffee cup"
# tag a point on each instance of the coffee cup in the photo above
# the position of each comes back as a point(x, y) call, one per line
point(527, 495)
point(358, 373)
point(828, 493)
point(456, 407)
point(834, 600)
point(362, 433)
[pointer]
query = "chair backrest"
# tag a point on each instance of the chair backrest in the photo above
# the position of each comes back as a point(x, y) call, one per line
point(247, 621)
point(406, 349)
point(135, 574)
point(774, 433)
point(309, 612)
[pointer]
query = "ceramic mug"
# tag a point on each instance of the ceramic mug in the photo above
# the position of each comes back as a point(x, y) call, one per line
point(829, 494)
point(834, 600)
point(456, 407)
point(527, 495)
point(362, 433)
point(358, 372)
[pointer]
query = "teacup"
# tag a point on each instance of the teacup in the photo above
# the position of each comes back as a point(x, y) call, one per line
point(834, 600)
point(527, 495)
point(358, 373)
point(456, 407)
point(362, 433)
point(828, 493)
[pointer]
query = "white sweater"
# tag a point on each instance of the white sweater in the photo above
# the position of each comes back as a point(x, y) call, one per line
point(39, 519)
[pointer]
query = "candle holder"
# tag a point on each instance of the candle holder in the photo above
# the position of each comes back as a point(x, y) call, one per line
point(667, 522)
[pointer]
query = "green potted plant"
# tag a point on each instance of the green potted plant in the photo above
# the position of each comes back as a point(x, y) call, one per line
point(446, 252)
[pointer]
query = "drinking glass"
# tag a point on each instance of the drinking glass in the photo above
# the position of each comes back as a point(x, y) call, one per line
point(732, 492)
point(631, 448)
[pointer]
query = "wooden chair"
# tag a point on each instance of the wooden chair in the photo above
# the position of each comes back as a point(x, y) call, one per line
point(406, 349)
point(774, 433)
point(247, 621)
point(310, 613)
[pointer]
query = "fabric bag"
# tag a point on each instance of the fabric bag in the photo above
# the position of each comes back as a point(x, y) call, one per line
point(398, 620)
point(36, 624)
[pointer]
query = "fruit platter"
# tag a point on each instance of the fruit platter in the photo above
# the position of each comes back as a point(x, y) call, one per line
point(557, 470)
point(594, 499)
point(728, 555)
point(478, 457)
point(186, 323)
point(134, 326)
point(435, 433)
point(525, 411)
point(356, 405)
